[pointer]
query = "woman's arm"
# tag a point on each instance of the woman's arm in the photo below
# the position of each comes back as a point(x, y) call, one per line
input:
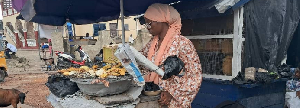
point(144, 52)
point(185, 88)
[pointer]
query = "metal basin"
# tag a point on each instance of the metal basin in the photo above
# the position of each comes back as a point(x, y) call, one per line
point(115, 86)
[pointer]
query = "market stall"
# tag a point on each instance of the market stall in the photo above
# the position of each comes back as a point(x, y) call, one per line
point(217, 34)
point(120, 85)
point(230, 44)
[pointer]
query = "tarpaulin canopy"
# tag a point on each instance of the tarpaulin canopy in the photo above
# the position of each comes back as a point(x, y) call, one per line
point(270, 25)
point(199, 9)
point(18, 4)
point(207, 8)
point(56, 12)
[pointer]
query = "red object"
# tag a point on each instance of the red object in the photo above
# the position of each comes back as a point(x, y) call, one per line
point(72, 61)
point(80, 63)
point(25, 39)
point(36, 33)
point(26, 45)
point(50, 47)
point(18, 42)
point(57, 52)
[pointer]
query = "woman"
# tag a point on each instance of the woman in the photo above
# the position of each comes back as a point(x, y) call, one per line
point(164, 23)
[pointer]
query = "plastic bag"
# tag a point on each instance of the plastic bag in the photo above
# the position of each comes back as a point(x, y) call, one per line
point(150, 86)
point(61, 86)
point(127, 58)
point(263, 77)
point(284, 71)
point(240, 79)
point(292, 101)
point(260, 77)
point(172, 66)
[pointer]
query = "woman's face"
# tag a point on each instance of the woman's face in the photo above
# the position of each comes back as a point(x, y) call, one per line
point(153, 27)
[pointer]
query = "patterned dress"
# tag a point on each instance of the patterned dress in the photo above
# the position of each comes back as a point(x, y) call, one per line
point(183, 89)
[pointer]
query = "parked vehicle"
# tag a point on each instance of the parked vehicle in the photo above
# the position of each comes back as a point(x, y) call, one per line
point(3, 66)
point(66, 60)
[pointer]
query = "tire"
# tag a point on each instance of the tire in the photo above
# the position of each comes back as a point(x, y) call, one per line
point(3, 74)
point(61, 64)
point(89, 64)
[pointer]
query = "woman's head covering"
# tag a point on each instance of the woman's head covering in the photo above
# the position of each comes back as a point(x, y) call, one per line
point(162, 13)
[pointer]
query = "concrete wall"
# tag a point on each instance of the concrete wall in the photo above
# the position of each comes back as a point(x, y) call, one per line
point(92, 50)
point(104, 39)
point(81, 30)
point(57, 43)
point(142, 39)
point(132, 27)
point(30, 30)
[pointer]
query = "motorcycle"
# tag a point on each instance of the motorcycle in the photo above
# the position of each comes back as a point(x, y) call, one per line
point(66, 60)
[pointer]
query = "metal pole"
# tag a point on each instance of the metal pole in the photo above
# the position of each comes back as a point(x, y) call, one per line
point(122, 20)
point(118, 23)
point(38, 40)
point(136, 26)
point(117, 28)
point(74, 30)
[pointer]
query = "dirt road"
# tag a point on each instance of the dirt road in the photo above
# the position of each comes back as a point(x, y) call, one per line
point(27, 76)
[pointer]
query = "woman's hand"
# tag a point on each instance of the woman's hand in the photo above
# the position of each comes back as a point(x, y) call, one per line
point(165, 98)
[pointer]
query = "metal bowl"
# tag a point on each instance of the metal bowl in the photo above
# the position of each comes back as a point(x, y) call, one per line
point(115, 86)
point(152, 93)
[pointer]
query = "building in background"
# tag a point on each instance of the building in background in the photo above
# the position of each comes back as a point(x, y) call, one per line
point(113, 28)
point(25, 34)
point(18, 32)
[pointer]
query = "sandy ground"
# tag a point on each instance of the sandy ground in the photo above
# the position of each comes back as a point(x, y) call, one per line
point(28, 76)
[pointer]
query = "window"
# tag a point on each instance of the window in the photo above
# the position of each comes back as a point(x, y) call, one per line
point(113, 30)
point(7, 4)
point(96, 29)
point(126, 26)
point(218, 42)
point(215, 55)
point(102, 26)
